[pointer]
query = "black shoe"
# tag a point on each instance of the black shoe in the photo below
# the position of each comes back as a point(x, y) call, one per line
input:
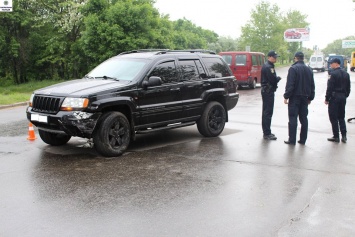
point(301, 142)
point(344, 139)
point(270, 137)
point(289, 143)
point(333, 139)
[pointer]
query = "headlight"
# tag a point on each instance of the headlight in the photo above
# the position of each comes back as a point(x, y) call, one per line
point(70, 104)
point(31, 100)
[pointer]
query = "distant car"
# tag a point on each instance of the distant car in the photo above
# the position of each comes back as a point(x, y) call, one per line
point(317, 62)
point(246, 66)
point(292, 34)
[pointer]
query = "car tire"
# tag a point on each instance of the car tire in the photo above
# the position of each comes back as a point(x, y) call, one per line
point(54, 139)
point(213, 119)
point(113, 135)
point(252, 85)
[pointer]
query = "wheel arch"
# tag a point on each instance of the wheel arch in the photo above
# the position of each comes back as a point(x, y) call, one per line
point(123, 105)
point(219, 97)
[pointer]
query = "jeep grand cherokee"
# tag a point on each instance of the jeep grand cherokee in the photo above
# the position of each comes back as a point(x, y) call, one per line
point(140, 91)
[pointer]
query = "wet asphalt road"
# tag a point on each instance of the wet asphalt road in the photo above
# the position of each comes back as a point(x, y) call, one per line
point(177, 183)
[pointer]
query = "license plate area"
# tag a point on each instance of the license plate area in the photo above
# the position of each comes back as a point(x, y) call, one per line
point(39, 118)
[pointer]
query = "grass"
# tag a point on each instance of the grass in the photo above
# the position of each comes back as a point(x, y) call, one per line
point(21, 93)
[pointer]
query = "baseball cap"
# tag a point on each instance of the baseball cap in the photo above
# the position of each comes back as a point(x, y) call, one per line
point(335, 60)
point(299, 55)
point(273, 54)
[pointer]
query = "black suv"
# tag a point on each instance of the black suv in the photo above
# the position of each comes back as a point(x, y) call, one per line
point(135, 92)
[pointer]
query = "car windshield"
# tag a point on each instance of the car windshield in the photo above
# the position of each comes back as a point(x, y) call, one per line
point(118, 69)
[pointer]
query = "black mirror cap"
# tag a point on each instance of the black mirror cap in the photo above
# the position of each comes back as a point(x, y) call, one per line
point(154, 81)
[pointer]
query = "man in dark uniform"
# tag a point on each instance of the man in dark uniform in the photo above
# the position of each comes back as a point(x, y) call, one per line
point(338, 89)
point(298, 95)
point(269, 81)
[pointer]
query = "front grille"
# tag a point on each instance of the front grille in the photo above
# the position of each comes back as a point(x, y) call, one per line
point(46, 104)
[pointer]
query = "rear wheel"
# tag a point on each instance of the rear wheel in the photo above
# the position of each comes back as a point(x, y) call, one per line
point(54, 139)
point(112, 135)
point(252, 85)
point(212, 121)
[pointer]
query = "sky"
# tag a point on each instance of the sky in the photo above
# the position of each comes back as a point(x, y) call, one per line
point(329, 20)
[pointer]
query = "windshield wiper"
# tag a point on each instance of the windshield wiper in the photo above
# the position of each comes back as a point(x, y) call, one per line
point(107, 77)
point(89, 77)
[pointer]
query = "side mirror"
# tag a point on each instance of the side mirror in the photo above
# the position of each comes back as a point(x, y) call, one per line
point(152, 81)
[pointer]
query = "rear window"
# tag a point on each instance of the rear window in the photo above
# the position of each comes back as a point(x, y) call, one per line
point(217, 67)
point(313, 59)
point(319, 59)
point(241, 60)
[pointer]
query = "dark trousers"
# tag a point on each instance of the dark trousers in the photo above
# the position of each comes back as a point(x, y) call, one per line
point(297, 107)
point(268, 110)
point(336, 111)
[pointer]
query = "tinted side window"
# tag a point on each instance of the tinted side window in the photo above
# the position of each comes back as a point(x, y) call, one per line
point(254, 60)
point(189, 70)
point(166, 71)
point(216, 67)
point(241, 60)
point(201, 70)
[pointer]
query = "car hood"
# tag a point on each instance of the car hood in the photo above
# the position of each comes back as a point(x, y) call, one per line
point(81, 87)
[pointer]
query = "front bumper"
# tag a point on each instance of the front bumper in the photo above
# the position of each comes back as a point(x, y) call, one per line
point(73, 123)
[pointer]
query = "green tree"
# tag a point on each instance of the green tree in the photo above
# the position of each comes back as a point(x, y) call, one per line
point(50, 39)
point(264, 31)
point(16, 43)
point(187, 35)
point(336, 47)
point(122, 26)
point(39, 39)
point(63, 21)
point(225, 44)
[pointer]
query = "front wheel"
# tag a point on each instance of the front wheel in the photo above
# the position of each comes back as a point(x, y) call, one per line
point(112, 135)
point(54, 139)
point(212, 121)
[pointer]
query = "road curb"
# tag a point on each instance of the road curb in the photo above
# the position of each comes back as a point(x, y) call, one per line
point(13, 105)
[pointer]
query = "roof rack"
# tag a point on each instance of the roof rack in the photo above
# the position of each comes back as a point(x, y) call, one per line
point(144, 50)
point(193, 51)
point(164, 51)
